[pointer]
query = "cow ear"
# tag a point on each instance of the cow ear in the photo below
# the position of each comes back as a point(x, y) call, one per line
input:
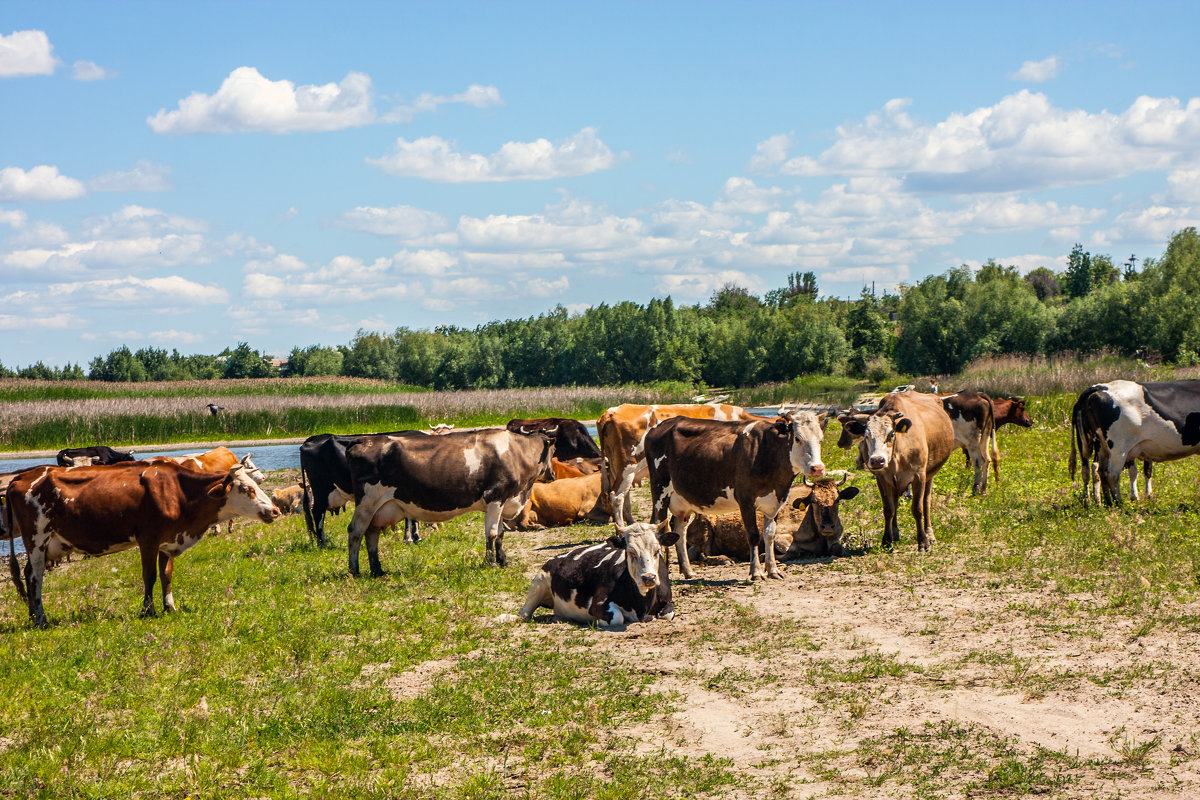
point(667, 539)
point(616, 541)
point(855, 427)
point(800, 503)
point(849, 493)
point(823, 420)
point(903, 424)
point(782, 425)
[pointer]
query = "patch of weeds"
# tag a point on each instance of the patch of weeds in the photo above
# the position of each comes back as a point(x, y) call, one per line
point(1133, 753)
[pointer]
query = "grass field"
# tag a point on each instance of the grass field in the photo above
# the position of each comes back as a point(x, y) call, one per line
point(1041, 649)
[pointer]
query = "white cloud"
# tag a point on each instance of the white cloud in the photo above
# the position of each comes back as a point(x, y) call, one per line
point(1021, 143)
point(145, 176)
point(425, 262)
point(344, 280)
point(247, 102)
point(435, 159)
point(476, 96)
point(40, 184)
point(771, 152)
point(142, 292)
point(534, 232)
point(26, 53)
point(1183, 185)
point(54, 322)
point(14, 218)
point(539, 287)
point(693, 285)
point(1037, 71)
point(133, 220)
point(87, 71)
point(280, 264)
point(175, 337)
point(742, 196)
point(406, 222)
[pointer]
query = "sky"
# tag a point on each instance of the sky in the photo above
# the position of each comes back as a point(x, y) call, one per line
point(194, 175)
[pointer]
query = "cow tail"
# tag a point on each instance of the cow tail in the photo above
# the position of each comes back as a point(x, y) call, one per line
point(304, 501)
point(602, 425)
point(14, 568)
point(1076, 432)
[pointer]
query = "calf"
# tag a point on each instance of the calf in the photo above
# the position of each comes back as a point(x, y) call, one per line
point(563, 502)
point(905, 442)
point(624, 579)
point(288, 498)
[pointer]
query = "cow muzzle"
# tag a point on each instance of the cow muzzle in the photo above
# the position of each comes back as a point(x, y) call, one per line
point(650, 580)
point(270, 515)
point(876, 462)
point(816, 470)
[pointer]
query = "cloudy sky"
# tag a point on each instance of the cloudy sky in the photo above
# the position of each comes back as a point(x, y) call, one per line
point(285, 173)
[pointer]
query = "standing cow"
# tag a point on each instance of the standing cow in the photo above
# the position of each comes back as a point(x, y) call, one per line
point(437, 478)
point(1006, 411)
point(973, 420)
point(905, 442)
point(701, 466)
point(162, 509)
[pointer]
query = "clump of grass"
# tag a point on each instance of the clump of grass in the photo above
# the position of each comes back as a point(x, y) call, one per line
point(1065, 373)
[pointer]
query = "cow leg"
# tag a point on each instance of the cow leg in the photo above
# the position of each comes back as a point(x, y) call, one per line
point(494, 536)
point(1110, 480)
point(1148, 471)
point(166, 568)
point(922, 497)
point(35, 572)
point(981, 467)
point(539, 595)
point(994, 456)
point(685, 563)
point(354, 537)
point(149, 552)
point(1131, 468)
point(411, 534)
point(891, 502)
point(372, 537)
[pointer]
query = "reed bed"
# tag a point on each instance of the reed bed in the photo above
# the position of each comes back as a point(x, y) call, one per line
point(17, 389)
point(30, 425)
point(1062, 374)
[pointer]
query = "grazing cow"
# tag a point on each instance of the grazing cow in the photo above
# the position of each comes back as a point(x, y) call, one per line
point(288, 498)
point(973, 422)
point(565, 501)
point(809, 524)
point(219, 459)
point(622, 427)
point(571, 440)
point(437, 478)
point(703, 466)
point(160, 508)
point(101, 453)
point(1006, 410)
point(621, 580)
point(1117, 423)
point(905, 442)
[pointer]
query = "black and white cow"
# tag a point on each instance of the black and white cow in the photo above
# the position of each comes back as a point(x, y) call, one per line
point(325, 476)
point(710, 467)
point(437, 478)
point(1117, 423)
point(100, 454)
point(621, 580)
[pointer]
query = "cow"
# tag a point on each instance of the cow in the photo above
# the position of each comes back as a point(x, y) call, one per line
point(1117, 423)
point(102, 453)
point(704, 466)
point(161, 508)
point(437, 478)
point(325, 476)
point(1006, 410)
point(80, 461)
point(621, 580)
point(288, 498)
point(809, 524)
point(572, 439)
point(973, 421)
point(219, 459)
point(905, 442)
point(622, 427)
point(565, 501)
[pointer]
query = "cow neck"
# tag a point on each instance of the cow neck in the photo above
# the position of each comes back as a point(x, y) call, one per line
point(199, 506)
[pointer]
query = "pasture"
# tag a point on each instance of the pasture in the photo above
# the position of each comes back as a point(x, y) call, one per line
point(1042, 648)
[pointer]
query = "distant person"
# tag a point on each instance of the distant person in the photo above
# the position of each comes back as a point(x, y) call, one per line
point(213, 408)
point(932, 386)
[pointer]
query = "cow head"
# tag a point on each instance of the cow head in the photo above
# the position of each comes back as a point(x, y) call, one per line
point(822, 504)
point(244, 497)
point(1017, 414)
point(643, 544)
point(546, 462)
point(81, 461)
point(848, 437)
point(440, 429)
point(254, 472)
point(805, 431)
point(879, 437)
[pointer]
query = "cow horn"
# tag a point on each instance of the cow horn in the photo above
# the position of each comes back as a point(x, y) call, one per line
point(845, 477)
point(524, 431)
point(804, 478)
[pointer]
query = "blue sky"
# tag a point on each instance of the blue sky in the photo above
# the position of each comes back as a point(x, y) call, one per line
point(194, 175)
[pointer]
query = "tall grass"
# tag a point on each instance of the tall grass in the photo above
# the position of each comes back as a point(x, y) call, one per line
point(834, 390)
point(1064, 373)
point(17, 389)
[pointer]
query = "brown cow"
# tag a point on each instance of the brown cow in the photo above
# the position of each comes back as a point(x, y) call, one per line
point(219, 459)
point(576, 467)
point(622, 427)
point(1007, 410)
point(905, 443)
point(288, 498)
point(564, 502)
point(809, 524)
point(162, 509)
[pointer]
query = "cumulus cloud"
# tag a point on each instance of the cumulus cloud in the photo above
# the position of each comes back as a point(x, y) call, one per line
point(41, 184)
point(247, 102)
point(143, 292)
point(344, 279)
point(540, 287)
point(1021, 143)
point(50, 322)
point(87, 71)
point(476, 96)
point(694, 285)
point(1037, 71)
point(145, 176)
point(435, 159)
point(405, 222)
point(26, 53)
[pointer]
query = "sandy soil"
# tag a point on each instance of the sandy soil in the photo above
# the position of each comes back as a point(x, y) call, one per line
point(804, 682)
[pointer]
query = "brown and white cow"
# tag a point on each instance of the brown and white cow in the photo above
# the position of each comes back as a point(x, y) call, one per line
point(219, 459)
point(571, 437)
point(905, 442)
point(622, 427)
point(437, 478)
point(972, 418)
point(1006, 410)
point(564, 502)
point(160, 508)
point(702, 466)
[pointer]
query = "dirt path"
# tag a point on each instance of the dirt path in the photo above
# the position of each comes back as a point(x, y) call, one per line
point(837, 681)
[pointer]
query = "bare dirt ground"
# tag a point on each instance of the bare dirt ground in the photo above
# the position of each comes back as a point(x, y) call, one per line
point(839, 682)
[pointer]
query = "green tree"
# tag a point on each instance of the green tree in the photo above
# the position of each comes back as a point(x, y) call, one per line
point(245, 362)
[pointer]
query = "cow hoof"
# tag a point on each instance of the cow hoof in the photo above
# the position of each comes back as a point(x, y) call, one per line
point(377, 573)
point(777, 575)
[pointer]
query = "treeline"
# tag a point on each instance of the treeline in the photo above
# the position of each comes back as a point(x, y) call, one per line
point(935, 326)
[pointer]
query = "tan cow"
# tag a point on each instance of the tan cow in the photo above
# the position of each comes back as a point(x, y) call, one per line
point(288, 498)
point(622, 427)
point(904, 444)
point(564, 502)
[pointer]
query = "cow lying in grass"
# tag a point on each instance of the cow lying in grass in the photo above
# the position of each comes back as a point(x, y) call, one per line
point(810, 524)
point(621, 580)
point(564, 502)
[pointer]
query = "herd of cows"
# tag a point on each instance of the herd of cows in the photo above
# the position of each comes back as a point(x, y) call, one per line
point(717, 473)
